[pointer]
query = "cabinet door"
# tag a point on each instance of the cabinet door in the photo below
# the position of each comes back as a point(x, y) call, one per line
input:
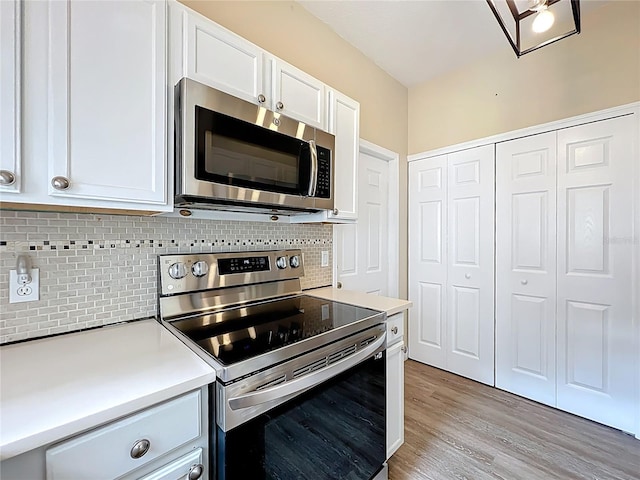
point(107, 98)
point(470, 288)
point(526, 267)
point(596, 356)
point(298, 95)
point(219, 58)
point(345, 125)
point(10, 162)
point(395, 398)
point(428, 260)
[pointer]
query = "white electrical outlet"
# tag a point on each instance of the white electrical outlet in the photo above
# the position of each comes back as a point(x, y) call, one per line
point(325, 259)
point(27, 292)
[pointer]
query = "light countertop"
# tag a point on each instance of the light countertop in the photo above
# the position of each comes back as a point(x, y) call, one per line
point(361, 299)
point(60, 386)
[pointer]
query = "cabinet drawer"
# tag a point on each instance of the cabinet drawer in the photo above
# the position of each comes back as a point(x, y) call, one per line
point(107, 451)
point(395, 328)
point(179, 468)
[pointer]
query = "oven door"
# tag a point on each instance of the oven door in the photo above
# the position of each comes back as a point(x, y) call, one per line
point(334, 429)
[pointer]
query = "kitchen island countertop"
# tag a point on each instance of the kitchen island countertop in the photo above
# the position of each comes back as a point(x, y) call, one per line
point(59, 386)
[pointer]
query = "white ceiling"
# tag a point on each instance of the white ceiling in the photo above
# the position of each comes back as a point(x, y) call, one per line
point(415, 40)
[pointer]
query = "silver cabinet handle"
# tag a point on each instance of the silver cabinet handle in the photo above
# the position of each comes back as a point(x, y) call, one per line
point(335, 211)
point(404, 349)
point(467, 276)
point(339, 285)
point(7, 178)
point(262, 98)
point(140, 448)
point(195, 472)
point(524, 282)
point(394, 330)
point(280, 106)
point(60, 183)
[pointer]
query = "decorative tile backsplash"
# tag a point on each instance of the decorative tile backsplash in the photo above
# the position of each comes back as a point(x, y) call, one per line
point(101, 269)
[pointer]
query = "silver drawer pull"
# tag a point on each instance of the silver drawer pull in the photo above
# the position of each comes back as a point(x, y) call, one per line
point(195, 472)
point(140, 448)
point(7, 178)
point(394, 330)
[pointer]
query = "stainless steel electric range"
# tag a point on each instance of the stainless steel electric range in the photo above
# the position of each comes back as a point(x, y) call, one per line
point(300, 390)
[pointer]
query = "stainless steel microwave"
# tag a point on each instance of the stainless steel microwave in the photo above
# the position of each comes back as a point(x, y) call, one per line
point(239, 156)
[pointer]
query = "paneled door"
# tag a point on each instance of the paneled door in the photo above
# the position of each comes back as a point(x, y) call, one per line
point(10, 97)
point(595, 285)
point(470, 269)
point(526, 267)
point(451, 242)
point(428, 260)
point(363, 247)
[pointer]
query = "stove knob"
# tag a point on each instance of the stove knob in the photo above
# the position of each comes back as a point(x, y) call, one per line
point(200, 268)
point(281, 262)
point(294, 261)
point(178, 270)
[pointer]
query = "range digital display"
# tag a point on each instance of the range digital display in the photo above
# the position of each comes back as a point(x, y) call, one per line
point(227, 266)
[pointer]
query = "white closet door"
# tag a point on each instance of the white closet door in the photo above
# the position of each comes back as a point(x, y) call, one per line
point(470, 265)
point(526, 267)
point(595, 225)
point(427, 260)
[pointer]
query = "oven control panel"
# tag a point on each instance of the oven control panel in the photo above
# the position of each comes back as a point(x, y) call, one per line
point(205, 271)
point(228, 266)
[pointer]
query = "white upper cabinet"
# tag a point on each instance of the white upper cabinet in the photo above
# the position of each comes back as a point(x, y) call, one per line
point(107, 96)
point(344, 123)
point(94, 107)
point(10, 163)
point(298, 95)
point(210, 54)
point(217, 57)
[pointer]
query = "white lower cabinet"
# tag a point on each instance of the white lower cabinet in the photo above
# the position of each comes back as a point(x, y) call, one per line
point(395, 383)
point(451, 230)
point(564, 263)
point(150, 438)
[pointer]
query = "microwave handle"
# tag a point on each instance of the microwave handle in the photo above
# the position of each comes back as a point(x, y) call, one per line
point(313, 181)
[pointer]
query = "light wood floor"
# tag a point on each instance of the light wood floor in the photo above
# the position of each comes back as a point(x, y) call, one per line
point(459, 429)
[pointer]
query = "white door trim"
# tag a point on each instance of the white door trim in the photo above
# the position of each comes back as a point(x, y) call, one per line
point(393, 158)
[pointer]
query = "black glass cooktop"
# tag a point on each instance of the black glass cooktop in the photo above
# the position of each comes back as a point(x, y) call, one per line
point(241, 333)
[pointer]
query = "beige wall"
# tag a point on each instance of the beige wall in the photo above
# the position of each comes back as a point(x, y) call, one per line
point(288, 31)
point(597, 69)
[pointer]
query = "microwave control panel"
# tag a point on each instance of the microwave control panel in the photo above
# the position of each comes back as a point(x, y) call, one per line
point(324, 173)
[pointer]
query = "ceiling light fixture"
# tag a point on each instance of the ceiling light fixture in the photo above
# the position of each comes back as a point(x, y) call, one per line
point(533, 24)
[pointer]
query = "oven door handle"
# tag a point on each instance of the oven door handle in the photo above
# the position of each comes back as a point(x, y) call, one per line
point(313, 178)
point(299, 385)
